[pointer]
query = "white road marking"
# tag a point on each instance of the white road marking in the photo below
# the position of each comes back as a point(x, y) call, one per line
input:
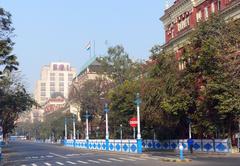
point(58, 155)
point(71, 162)
point(59, 163)
point(94, 161)
point(107, 161)
point(113, 159)
point(42, 156)
point(83, 162)
point(34, 157)
point(33, 164)
point(128, 159)
point(23, 165)
point(136, 158)
point(27, 157)
point(49, 156)
point(48, 164)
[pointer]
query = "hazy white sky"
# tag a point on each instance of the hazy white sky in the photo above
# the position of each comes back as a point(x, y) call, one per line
point(53, 30)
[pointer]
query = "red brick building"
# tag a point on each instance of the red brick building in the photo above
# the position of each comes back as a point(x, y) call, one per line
point(181, 18)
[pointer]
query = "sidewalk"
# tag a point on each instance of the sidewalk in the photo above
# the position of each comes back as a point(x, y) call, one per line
point(188, 154)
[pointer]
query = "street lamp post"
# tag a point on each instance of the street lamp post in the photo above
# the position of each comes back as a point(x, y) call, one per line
point(106, 110)
point(87, 135)
point(74, 130)
point(121, 132)
point(65, 128)
point(97, 132)
point(139, 139)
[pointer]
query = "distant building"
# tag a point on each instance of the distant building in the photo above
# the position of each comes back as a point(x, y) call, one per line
point(55, 81)
point(55, 77)
point(182, 17)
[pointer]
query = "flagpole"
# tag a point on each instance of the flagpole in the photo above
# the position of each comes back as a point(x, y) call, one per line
point(90, 51)
point(94, 48)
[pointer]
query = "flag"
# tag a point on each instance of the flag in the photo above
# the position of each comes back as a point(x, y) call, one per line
point(88, 46)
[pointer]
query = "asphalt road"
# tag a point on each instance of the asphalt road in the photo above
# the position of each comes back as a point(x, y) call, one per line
point(38, 154)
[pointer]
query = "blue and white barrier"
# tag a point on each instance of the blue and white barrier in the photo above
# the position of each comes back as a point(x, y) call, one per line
point(127, 146)
point(204, 145)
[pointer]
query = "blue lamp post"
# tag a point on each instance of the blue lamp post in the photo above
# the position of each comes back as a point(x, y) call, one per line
point(87, 135)
point(74, 131)
point(139, 139)
point(65, 127)
point(106, 110)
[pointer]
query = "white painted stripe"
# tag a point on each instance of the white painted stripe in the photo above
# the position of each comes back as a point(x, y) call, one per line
point(23, 165)
point(128, 159)
point(94, 161)
point(71, 162)
point(33, 164)
point(49, 156)
point(34, 157)
point(59, 163)
point(136, 158)
point(113, 159)
point(82, 162)
point(48, 164)
point(107, 161)
point(58, 155)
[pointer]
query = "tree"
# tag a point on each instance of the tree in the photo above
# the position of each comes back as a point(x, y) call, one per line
point(7, 59)
point(211, 77)
point(118, 66)
point(14, 100)
point(122, 107)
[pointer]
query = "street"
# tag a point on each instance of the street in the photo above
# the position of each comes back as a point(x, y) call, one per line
point(38, 154)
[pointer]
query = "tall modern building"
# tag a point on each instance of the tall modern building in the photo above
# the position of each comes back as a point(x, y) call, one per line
point(55, 78)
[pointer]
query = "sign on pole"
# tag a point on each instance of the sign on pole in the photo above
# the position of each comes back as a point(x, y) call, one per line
point(133, 122)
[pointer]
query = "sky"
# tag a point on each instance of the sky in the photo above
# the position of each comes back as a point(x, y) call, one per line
point(58, 30)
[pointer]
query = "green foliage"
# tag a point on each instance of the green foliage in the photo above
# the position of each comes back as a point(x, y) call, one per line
point(14, 101)
point(8, 61)
point(122, 107)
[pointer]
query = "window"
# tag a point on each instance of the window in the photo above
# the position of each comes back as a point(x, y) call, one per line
point(52, 89)
point(61, 83)
point(213, 7)
point(52, 83)
point(55, 67)
point(70, 77)
point(199, 15)
point(206, 13)
point(61, 67)
point(52, 78)
point(61, 89)
point(61, 74)
point(183, 24)
point(43, 93)
point(52, 74)
point(61, 78)
point(43, 88)
point(43, 84)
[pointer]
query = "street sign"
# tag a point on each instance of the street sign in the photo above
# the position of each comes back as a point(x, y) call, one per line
point(133, 122)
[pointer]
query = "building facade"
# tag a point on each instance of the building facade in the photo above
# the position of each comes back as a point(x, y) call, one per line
point(56, 77)
point(182, 17)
